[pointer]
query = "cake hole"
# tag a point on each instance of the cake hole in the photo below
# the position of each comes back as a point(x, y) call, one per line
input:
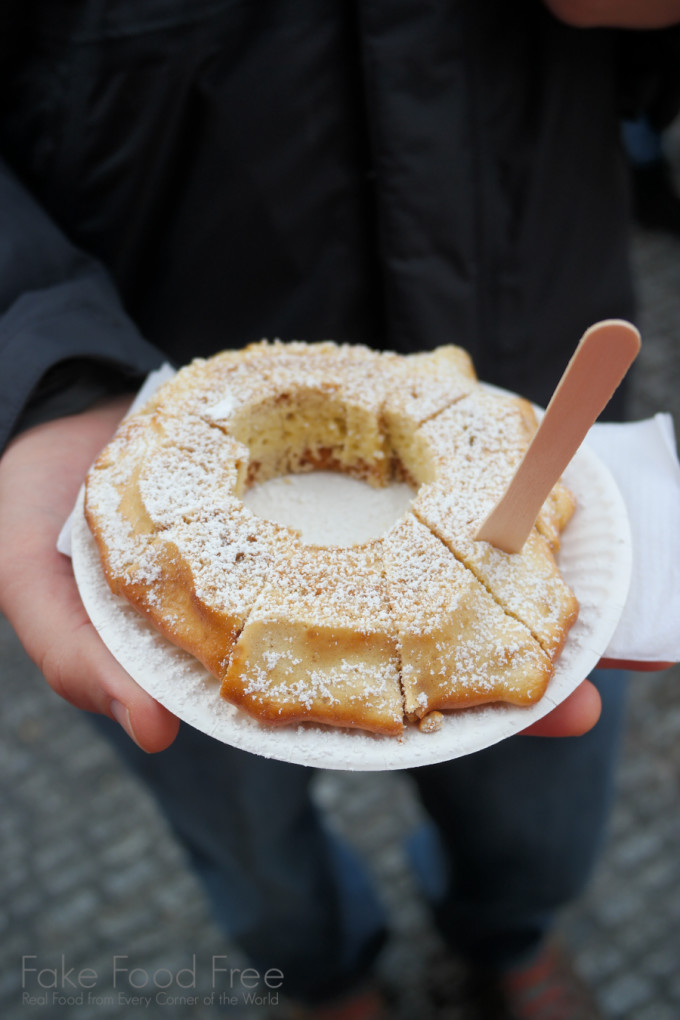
point(330, 508)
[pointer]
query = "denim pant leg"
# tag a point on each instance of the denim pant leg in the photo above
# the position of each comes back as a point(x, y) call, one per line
point(287, 892)
point(517, 831)
point(642, 142)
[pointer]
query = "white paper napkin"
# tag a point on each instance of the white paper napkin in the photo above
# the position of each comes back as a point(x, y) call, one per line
point(643, 460)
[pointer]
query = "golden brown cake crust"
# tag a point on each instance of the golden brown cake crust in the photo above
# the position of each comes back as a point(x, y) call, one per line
point(371, 636)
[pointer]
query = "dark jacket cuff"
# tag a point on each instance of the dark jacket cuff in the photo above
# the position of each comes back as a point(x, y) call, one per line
point(63, 348)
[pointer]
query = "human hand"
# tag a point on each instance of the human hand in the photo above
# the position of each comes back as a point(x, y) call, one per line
point(580, 711)
point(639, 14)
point(577, 714)
point(40, 475)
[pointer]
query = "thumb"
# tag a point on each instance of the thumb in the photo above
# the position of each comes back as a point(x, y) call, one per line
point(85, 673)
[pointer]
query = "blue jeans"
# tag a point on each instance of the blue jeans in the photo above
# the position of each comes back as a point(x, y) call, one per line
point(515, 832)
point(643, 144)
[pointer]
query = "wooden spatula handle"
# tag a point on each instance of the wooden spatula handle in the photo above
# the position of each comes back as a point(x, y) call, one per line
point(599, 363)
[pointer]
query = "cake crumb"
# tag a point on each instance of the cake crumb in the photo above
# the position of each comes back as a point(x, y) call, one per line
point(431, 722)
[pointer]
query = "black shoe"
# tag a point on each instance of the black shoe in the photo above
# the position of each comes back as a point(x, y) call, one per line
point(656, 203)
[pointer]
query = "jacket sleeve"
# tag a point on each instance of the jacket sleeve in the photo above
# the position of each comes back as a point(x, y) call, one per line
point(65, 339)
point(648, 68)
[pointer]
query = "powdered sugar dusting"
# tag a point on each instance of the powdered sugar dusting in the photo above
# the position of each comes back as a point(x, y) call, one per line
point(477, 444)
point(595, 558)
point(333, 634)
point(457, 644)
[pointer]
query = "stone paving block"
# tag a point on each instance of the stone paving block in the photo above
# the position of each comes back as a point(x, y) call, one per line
point(657, 1011)
point(627, 991)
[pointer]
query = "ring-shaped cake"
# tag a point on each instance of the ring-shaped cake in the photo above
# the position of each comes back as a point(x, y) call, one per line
point(376, 635)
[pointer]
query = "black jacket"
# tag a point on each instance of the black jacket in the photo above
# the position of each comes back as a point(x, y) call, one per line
point(185, 175)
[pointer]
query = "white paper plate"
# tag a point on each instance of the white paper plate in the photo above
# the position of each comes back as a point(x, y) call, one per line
point(595, 560)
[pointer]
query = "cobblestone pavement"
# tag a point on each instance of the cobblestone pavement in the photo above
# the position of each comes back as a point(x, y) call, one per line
point(89, 870)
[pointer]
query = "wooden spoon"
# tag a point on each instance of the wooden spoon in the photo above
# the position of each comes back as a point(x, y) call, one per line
point(599, 363)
